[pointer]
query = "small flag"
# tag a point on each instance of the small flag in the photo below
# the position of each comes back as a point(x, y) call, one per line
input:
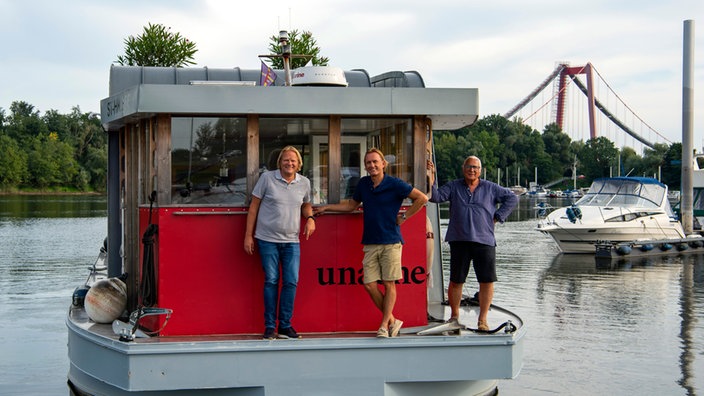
point(268, 76)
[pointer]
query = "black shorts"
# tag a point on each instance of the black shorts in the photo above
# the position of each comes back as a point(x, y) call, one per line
point(462, 254)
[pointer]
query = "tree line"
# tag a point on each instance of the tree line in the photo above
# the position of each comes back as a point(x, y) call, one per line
point(518, 149)
point(51, 152)
point(68, 152)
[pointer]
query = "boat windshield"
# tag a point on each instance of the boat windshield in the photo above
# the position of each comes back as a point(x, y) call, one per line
point(623, 193)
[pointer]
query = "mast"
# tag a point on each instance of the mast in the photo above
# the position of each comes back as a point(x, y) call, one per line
point(286, 55)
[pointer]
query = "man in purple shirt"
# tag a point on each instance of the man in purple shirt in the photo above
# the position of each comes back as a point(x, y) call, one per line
point(470, 232)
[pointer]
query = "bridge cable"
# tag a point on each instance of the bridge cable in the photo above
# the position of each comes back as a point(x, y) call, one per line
point(608, 114)
point(536, 91)
point(626, 105)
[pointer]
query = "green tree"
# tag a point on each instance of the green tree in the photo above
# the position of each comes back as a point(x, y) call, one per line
point(672, 166)
point(83, 132)
point(24, 123)
point(446, 156)
point(597, 156)
point(511, 145)
point(51, 151)
point(453, 147)
point(631, 163)
point(302, 43)
point(51, 163)
point(558, 145)
point(158, 46)
point(94, 163)
point(13, 163)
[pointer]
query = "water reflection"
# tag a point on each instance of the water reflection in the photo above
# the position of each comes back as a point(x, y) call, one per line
point(46, 246)
point(52, 206)
point(630, 294)
point(691, 284)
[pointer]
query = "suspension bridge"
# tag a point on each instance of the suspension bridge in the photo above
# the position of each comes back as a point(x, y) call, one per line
point(563, 88)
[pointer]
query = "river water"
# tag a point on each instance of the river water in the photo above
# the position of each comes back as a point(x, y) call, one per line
point(627, 327)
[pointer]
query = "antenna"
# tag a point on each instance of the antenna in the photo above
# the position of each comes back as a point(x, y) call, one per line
point(286, 55)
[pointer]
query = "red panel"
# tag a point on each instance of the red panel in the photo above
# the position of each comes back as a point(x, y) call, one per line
point(205, 275)
point(214, 287)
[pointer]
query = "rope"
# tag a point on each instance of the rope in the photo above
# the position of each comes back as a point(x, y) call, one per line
point(147, 287)
point(510, 328)
point(474, 301)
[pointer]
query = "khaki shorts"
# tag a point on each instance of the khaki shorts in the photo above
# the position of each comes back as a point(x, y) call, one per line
point(382, 262)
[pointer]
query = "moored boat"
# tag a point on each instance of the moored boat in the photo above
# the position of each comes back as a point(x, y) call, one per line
point(616, 209)
point(697, 194)
point(184, 157)
point(518, 190)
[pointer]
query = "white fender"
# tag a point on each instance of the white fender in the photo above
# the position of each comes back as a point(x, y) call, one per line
point(106, 300)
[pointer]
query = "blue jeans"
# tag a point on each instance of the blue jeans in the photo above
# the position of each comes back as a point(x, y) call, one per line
point(289, 256)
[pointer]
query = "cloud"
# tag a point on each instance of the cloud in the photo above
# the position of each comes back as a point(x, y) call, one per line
point(57, 54)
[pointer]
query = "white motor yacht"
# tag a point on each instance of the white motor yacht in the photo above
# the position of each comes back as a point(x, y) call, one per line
point(615, 209)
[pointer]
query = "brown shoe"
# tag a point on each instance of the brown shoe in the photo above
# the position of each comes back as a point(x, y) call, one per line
point(482, 325)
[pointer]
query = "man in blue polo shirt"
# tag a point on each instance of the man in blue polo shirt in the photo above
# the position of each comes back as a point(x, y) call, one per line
point(470, 232)
point(382, 196)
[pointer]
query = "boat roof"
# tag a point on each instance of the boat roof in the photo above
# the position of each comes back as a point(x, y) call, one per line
point(139, 92)
point(642, 180)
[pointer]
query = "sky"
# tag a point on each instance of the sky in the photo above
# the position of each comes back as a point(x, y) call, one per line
point(56, 54)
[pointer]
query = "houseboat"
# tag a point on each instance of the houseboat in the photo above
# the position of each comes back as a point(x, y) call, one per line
point(186, 147)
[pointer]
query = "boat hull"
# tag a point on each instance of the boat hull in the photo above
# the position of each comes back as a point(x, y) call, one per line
point(317, 364)
point(584, 239)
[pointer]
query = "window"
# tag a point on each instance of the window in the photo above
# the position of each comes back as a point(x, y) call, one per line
point(209, 154)
point(393, 136)
point(277, 133)
point(208, 160)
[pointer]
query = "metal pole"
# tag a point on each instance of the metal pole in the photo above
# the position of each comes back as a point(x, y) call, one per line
point(286, 55)
point(687, 126)
point(574, 173)
point(114, 206)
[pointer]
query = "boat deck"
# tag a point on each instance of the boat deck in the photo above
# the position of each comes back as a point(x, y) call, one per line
point(439, 313)
point(346, 363)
